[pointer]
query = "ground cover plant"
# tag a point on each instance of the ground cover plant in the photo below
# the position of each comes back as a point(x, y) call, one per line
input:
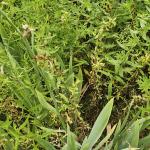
point(74, 74)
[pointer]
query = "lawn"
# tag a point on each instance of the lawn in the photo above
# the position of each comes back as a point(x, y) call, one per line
point(74, 74)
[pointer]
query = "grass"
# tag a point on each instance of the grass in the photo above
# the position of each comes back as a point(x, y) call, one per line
point(74, 74)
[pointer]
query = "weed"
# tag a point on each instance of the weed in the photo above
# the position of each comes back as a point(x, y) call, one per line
point(61, 62)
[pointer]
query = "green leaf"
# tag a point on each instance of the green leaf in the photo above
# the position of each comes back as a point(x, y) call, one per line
point(79, 82)
point(9, 20)
point(110, 88)
point(106, 138)
point(70, 65)
point(71, 143)
point(130, 148)
point(100, 124)
point(135, 129)
point(127, 116)
point(44, 143)
point(131, 136)
point(9, 145)
point(145, 142)
point(49, 79)
point(24, 124)
point(85, 145)
point(70, 79)
point(44, 103)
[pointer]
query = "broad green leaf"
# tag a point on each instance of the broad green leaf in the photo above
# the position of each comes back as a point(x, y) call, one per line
point(100, 124)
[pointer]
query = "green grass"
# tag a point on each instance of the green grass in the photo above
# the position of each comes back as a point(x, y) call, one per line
point(63, 62)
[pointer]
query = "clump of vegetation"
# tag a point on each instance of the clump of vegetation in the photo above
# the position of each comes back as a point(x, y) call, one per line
point(74, 74)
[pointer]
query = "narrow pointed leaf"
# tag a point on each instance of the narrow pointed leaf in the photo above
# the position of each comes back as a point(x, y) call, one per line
point(44, 103)
point(105, 139)
point(71, 143)
point(100, 124)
